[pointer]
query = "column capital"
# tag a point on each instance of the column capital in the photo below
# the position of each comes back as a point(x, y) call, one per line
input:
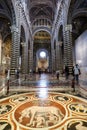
point(14, 28)
point(68, 27)
point(18, 3)
point(59, 43)
point(23, 44)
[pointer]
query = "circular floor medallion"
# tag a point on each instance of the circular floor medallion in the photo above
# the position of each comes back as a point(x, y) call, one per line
point(61, 98)
point(78, 108)
point(19, 99)
point(4, 108)
point(35, 114)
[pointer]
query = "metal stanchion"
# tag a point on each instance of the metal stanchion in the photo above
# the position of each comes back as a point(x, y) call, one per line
point(73, 84)
point(7, 87)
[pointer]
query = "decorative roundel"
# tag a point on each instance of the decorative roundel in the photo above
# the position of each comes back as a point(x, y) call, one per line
point(4, 108)
point(61, 98)
point(19, 99)
point(38, 116)
point(78, 108)
point(5, 125)
point(77, 124)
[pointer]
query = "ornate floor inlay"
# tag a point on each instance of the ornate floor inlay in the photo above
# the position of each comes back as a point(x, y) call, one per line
point(33, 111)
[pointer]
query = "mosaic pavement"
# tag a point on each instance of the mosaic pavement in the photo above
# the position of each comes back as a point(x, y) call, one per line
point(43, 111)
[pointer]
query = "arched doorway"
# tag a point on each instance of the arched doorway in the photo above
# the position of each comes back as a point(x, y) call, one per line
point(42, 46)
point(42, 60)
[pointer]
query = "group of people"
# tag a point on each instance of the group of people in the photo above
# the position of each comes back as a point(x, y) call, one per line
point(75, 72)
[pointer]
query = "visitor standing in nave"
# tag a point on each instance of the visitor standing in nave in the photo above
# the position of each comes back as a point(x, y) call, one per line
point(77, 73)
point(66, 72)
point(57, 74)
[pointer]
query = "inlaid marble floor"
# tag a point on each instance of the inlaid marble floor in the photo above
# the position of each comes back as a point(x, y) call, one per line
point(43, 110)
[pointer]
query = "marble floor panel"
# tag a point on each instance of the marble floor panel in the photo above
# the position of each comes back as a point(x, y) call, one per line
point(43, 111)
point(42, 103)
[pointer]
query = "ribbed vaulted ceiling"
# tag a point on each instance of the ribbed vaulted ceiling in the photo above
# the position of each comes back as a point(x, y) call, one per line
point(42, 8)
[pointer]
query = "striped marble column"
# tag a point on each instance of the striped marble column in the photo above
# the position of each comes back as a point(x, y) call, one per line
point(14, 49)
point(68, 56)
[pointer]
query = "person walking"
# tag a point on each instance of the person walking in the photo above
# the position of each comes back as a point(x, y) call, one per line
point(17, 73)
point(77, 73)
point(39, 71)
point(57, 74)
point(73, 84)
point(66, 72)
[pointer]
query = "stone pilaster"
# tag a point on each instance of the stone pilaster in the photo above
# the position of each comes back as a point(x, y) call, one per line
point(52, 57)
point(53, 60)
point(50, 62)
point(30, 57)
point(24, 60)
point(57, 56)
point(30, 60)
point(34, 61)
point(0, 48)
point(59, 60)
